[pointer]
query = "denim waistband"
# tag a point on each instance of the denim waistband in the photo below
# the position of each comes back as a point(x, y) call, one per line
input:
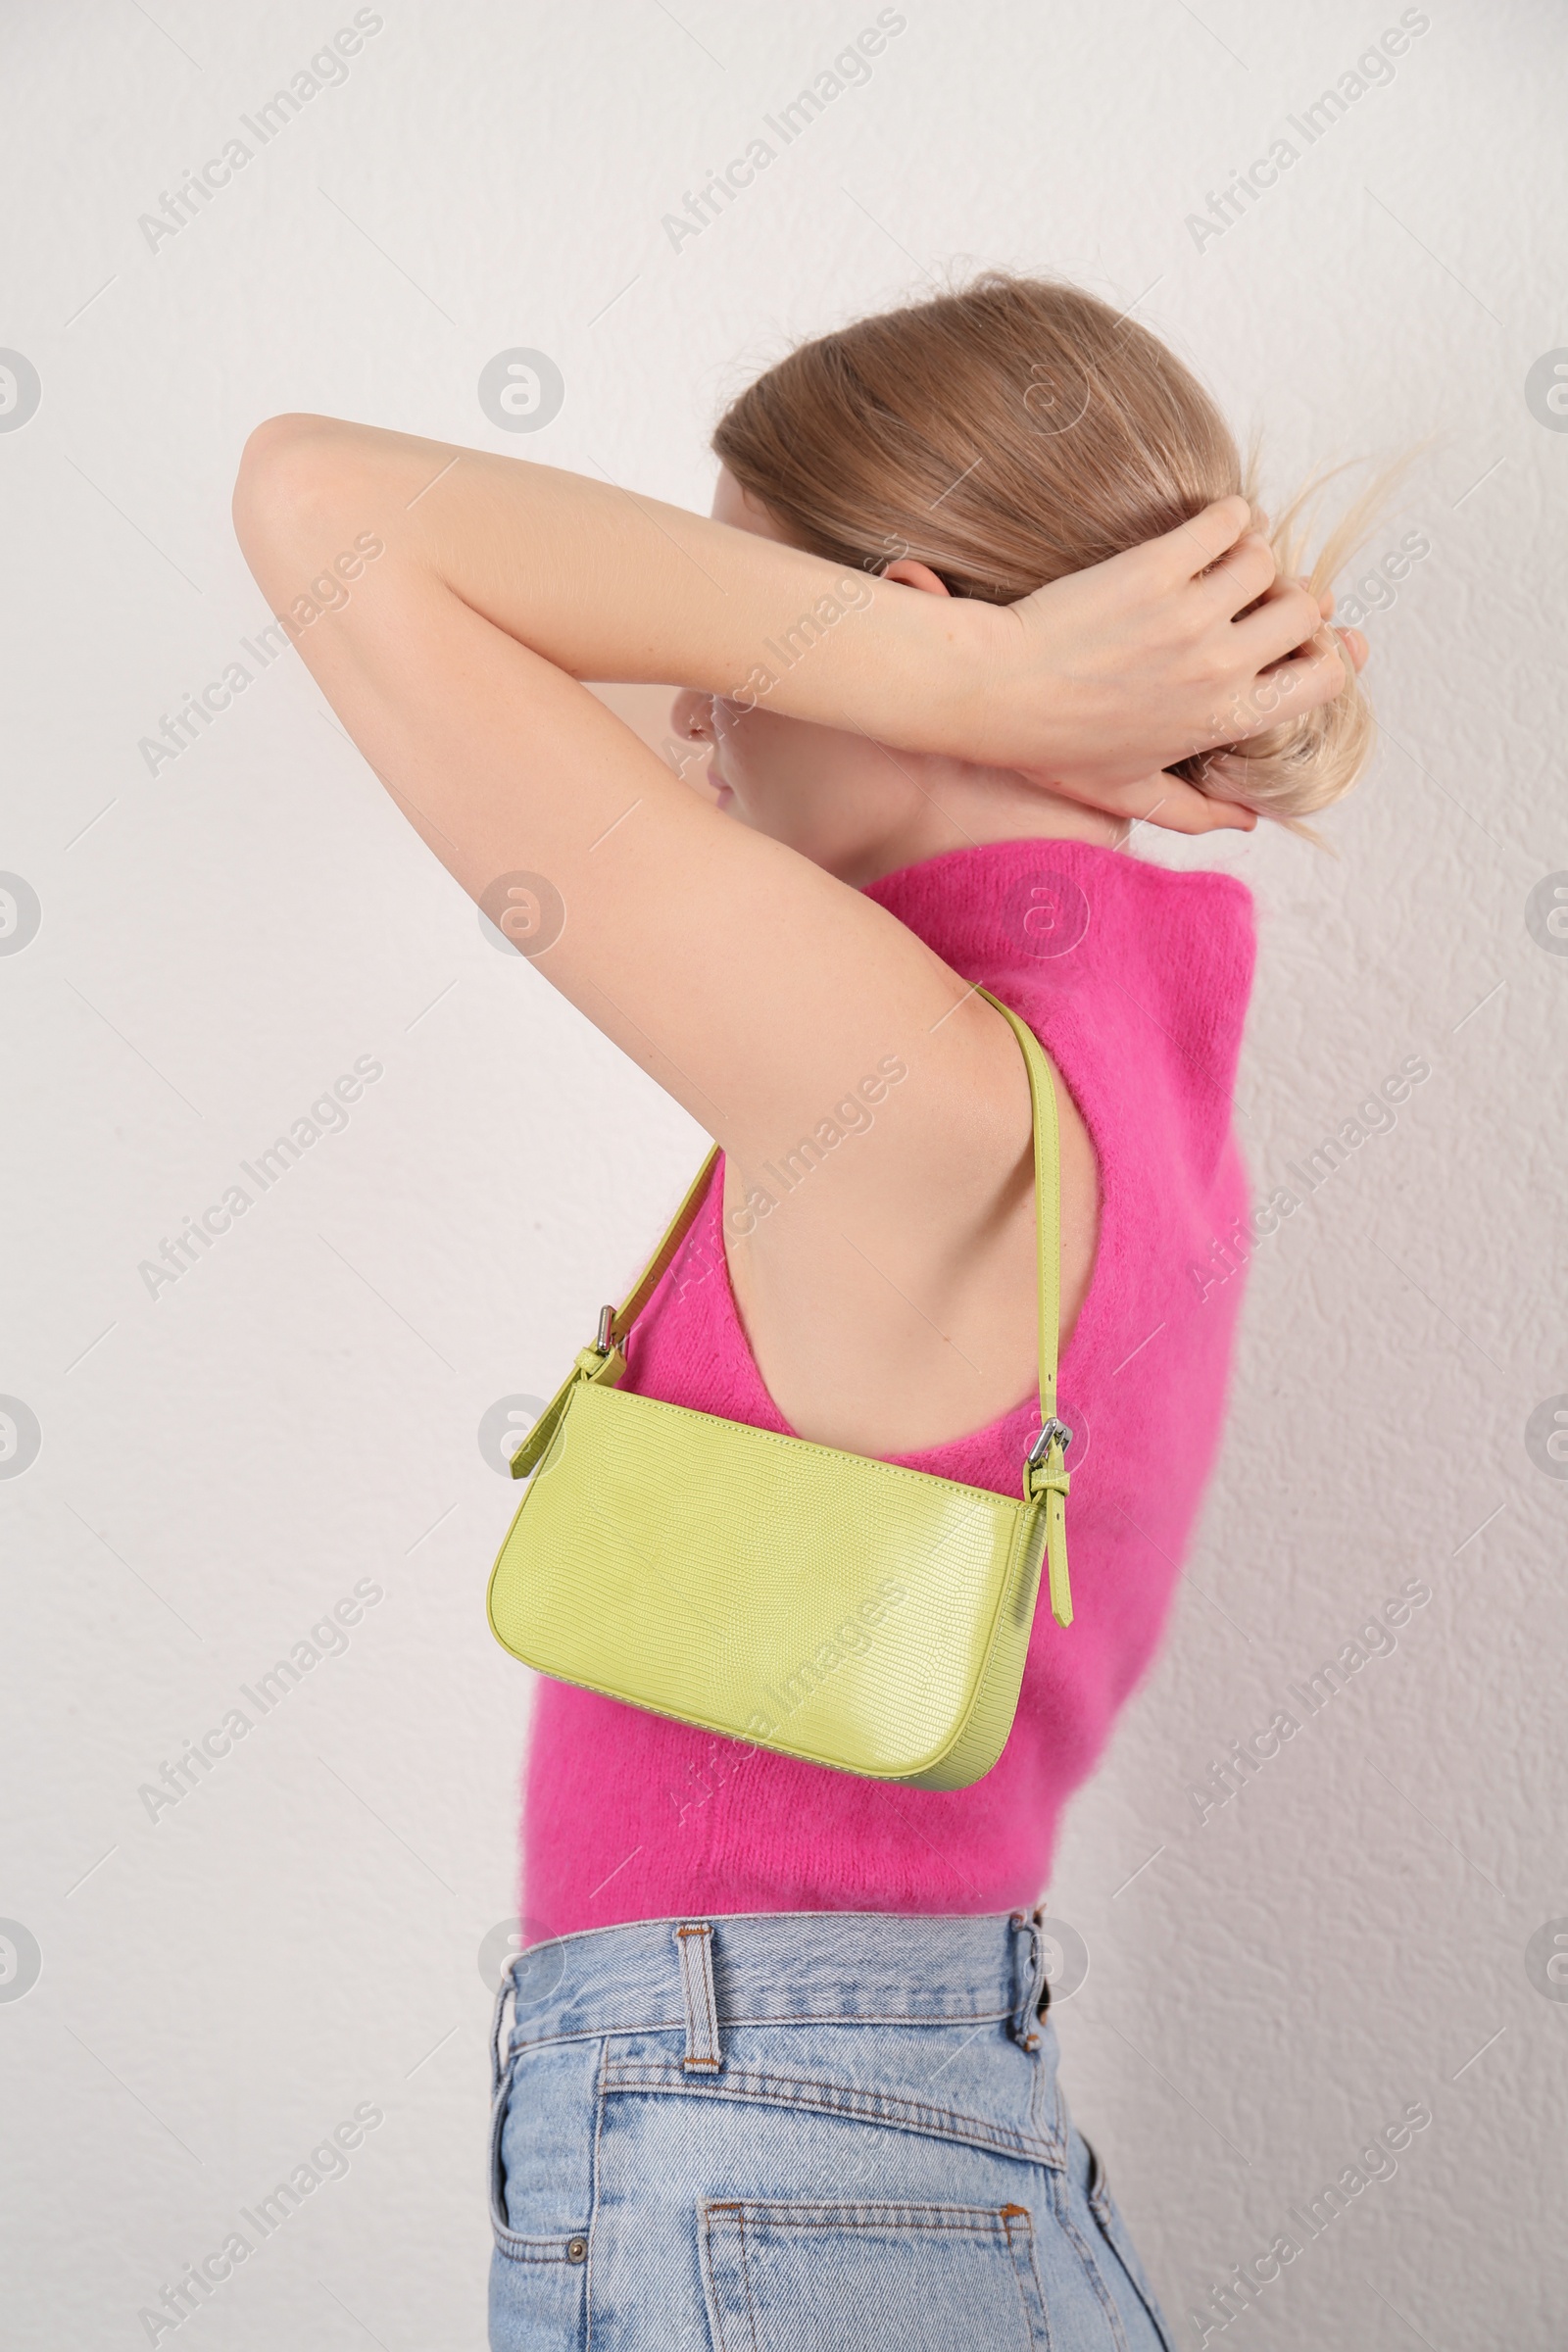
point(777, 1968)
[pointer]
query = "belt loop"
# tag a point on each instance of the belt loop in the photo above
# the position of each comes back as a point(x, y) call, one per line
point(1028, 1978)
point(694, 1940)
point(506, 1987)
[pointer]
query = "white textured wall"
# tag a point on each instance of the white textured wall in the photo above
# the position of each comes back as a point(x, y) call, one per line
point(224, 1464)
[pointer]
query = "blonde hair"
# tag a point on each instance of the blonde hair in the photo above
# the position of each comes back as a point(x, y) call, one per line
point(1010, 432)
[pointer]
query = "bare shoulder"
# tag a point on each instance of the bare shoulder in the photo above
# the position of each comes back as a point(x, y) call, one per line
point(883, 1256)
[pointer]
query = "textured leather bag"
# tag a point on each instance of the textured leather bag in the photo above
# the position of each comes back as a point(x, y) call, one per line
point(819, 1604)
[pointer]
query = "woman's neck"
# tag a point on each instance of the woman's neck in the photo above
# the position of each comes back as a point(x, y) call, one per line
point(955, 806)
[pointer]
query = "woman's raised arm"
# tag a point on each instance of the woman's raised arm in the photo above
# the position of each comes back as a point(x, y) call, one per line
point(745, 977)
point(1100, 679)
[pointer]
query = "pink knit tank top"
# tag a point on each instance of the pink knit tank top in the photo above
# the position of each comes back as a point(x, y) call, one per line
point(1136, 980)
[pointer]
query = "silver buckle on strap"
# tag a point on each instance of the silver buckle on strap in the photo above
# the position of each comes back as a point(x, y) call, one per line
point(1042, 1446)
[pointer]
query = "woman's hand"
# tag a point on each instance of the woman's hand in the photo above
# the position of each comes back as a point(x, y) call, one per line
point(1094, 685)
point(1100, 681)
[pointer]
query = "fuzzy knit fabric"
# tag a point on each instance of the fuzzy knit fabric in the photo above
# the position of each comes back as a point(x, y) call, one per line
point(1136, 979)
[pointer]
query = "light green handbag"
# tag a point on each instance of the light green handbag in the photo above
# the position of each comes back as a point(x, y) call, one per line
point(822, 1605)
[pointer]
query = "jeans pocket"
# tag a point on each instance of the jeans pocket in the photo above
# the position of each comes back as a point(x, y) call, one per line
point(884, 2278)
point(1113, 2230)
point(539, 2216)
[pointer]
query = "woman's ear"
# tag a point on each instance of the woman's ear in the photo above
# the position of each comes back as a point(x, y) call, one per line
point(910, 574)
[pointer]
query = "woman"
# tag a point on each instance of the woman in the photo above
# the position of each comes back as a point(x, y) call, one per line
point(980, 595)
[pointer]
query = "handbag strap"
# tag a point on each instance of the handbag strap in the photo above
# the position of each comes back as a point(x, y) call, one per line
point(1044, 1473)
point(615, 1332)
point(1044, 1470)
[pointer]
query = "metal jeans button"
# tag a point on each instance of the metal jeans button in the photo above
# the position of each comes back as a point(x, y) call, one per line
point(576, 2249)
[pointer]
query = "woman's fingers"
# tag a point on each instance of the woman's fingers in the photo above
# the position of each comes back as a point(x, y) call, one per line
point(1189, 641)
point(1314, 675)
point(1191, 547)
point(1241, 577)
point(1197, 814)
point(1178, 806)
point(1161, 798)
point(1286, 623)
point(1353, 641)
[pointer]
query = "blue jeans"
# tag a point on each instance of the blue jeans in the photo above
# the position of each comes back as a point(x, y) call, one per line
point(798, 2132)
